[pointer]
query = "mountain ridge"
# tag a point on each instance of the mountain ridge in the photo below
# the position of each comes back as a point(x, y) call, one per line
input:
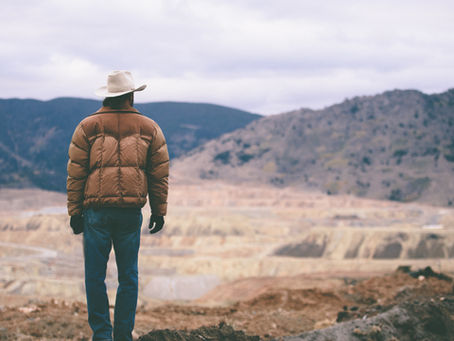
point(35, 135)
point(397, 145)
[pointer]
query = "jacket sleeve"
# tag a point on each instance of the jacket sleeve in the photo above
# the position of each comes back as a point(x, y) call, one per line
point(78, 169)
point(158, 174)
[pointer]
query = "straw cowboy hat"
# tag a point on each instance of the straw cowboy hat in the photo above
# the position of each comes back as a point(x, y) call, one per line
point(118, 83)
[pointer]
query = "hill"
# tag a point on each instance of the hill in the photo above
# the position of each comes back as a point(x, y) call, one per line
point(34, 135)
point(398, 145)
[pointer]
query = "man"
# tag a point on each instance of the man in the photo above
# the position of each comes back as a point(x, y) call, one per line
point(117, 157)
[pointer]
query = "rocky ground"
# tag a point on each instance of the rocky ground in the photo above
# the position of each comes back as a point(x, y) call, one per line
point(403, 305)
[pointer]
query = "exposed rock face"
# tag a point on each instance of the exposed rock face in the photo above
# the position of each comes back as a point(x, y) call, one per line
point(370, 244)
point(221, 233)
point(397, 145)
point(426, 320)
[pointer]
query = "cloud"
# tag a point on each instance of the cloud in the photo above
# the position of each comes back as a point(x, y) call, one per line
point(264, 56)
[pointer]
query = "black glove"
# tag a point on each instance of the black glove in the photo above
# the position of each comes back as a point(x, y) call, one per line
point(156, 223)
point(77, 224)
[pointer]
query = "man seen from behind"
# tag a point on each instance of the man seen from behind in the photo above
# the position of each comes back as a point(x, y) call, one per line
point(117, 157)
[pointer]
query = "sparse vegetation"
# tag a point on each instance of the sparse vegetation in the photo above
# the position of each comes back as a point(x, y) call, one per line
point(244, 157)
point(380, 131)
point(354, 109)
point(411, 191)
point(223, 157)
point(366, 161)
point(449, 152)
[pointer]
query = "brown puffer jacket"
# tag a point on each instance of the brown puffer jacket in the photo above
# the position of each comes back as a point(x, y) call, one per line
point(116, 158)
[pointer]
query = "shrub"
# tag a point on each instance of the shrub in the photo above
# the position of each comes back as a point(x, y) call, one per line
point(223, 157)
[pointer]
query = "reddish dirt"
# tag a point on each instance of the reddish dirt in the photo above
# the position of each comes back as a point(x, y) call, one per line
point(274, 313)
point(52, 320)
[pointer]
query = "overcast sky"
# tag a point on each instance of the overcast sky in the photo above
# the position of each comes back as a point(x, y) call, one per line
point(265, 56)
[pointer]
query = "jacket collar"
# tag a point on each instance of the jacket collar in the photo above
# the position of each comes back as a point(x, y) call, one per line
point(130, 109)
point(108, 110)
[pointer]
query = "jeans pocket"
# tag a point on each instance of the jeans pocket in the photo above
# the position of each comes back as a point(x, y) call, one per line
point(130, 221)
point(95, 219)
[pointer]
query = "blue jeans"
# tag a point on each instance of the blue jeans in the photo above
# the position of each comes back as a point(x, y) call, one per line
point(103, 228)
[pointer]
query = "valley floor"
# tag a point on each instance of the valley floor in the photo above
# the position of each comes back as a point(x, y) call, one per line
point(265, 261)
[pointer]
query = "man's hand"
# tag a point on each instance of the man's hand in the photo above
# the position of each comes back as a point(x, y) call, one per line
point(156, 223)
point(77, 224)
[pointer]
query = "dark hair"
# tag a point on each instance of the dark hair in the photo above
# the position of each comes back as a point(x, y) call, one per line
point(118, 102)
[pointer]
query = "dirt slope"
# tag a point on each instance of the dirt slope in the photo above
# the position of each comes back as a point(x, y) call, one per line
point(387, 305)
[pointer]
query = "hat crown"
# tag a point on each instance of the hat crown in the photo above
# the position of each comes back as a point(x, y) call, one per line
point(120, 81)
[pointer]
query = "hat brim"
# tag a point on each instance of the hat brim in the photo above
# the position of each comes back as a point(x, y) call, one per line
point(103, 92)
